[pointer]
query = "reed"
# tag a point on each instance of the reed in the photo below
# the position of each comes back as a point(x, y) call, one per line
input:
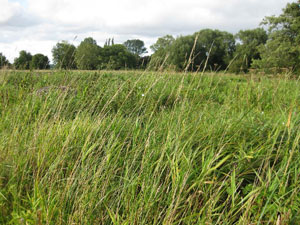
point(129, 147)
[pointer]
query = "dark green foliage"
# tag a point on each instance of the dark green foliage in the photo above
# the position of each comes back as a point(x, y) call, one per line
point(247, 49)
point(23, 61)
point(143, 62)
point(40, 61)
point(64, 55)
point(282, 50)
point(109, 42)
point(87, 54)
point(180, 51)
point(3, 61)
point(135, 46)
point(116, 57)
point(219, 47)
point(206, 49)
point(278, 54)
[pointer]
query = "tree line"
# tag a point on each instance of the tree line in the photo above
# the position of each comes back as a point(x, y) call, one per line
point(273, 47)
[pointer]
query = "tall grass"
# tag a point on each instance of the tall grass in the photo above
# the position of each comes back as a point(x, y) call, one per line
point(152, 148)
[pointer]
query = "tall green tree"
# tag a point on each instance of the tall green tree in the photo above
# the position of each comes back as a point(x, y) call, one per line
point(282, 49)
point(116, 57)
point(219, 47)
point(23, 61)
point(177, 56)
point(64, 55)
point(247, 49)
point(135, 46)
point(109, 42)
point(3, 61)
point(161, 49)
point(40, 61)
point(87, 54)
point(162, 43)
point(209, 49)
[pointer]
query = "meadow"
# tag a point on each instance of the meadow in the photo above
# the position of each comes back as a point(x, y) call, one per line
point(133, 147)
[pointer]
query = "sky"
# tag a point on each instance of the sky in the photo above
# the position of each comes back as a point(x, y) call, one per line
point(37, 25)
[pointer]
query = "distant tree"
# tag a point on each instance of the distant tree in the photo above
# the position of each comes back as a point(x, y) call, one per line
point(64, 55)
point(162, 43)
point(135, 46)
point(3, 61)
point(87, 54)
point(116, 57)
point(282, 49)
point(247, 48)
point(207, 48)
point(40, 61)
point(109, 42)
point(180, 51)
point(219, 47)
point(161, 51)
point(23, 61)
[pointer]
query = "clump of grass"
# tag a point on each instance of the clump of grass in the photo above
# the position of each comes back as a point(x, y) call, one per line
point(152, 148)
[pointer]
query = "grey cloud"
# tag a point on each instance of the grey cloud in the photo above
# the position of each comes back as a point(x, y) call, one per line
point(231, 18)
point(22, 19)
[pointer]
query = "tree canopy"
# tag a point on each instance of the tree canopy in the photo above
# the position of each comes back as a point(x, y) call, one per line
point(247, 49)
point(23, 61)
point(87, 54)
point(135, 46)
point(40, 61)
point(162, 43)
point(282, 49)
point(116, 57)
point(64, 55)
point(161, 51)
point(207, 48)
point(3, 61)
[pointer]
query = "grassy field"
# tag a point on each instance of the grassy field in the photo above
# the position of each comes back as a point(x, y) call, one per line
point(148, 148)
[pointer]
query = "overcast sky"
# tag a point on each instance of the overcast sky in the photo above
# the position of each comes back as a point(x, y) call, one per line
point(37, 25)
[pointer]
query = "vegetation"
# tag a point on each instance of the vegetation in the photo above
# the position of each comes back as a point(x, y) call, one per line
point(162, 43)
point(40, 61)
point(132, 147)
point(148, 148)
point(3, 61)
point(23, 61)
point(87, 54)
point(135, 46)
point(116, 57)
point(26, 61)
point(64, 55)
point(282, 49)
point(161, 51)
point(247, 49)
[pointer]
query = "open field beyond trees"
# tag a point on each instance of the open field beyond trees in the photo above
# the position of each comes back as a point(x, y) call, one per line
point(133, 147)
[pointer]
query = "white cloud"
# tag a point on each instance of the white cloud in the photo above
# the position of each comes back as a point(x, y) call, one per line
point(115, 14)
point(39, 23)
point(8, 10)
